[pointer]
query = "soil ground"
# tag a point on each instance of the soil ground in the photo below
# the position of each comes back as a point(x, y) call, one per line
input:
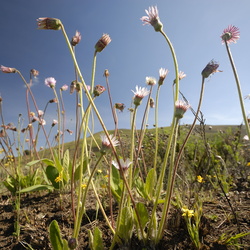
point(39, 209)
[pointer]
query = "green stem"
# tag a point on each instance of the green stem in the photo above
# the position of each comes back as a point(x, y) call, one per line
point(239, 89)
point(130, 180)
point(156, 126)
point(171, 176)
point(175, 66)
point(171, 179)
point(59, 124)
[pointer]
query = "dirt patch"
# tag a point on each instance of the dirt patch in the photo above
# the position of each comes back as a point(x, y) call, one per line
point(39, 209)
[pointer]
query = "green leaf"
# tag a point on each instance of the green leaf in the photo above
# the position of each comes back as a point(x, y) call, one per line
point(115, 183)
point(55, 236)
point(52, 173)
point(29, 164)
point(36, 188)
point(143, 214)
point(140, 186)
point(125, 229)
point(150, 182)
point(48, 162)
point(66, 159)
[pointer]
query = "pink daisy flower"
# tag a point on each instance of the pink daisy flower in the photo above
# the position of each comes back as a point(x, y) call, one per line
point(230, 35)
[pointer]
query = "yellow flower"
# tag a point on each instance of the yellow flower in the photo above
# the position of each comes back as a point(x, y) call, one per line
point(99, 171)
point(200, 179)
point(84, 186)
point(188, 213)
point(58, 178)
point(248, 164)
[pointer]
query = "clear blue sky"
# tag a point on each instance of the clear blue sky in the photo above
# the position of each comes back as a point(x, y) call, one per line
point(136, 51)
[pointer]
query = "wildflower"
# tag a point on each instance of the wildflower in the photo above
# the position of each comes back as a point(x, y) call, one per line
point(187, 213)
point(102, 42)
point(8, 70)
point(151, 102)
point(42, 122)
point(76, 38)
point(139, 94)
point(230, 35)
point(1, 151)
point(152, 18)
point(180, 108)
point(200, 179)
point(54, 123)
point(53, 100)
point(211, 68)
point(69, 131)
point(248, 164)
point(84, 186)
point(181, 75)
point(163, 73)
point(120, 106)
point(106, 143)
point(58, 178)
point(46, 23)
point(106, 73)
point(34, 119)
point(64, 87)
point(151, 81)
point(50, 82)
point(98, 90)
point(123, 164)
point(245, 138)
point(40, 113)
point(34, 72)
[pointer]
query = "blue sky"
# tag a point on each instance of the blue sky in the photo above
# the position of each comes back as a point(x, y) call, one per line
point(136, 51)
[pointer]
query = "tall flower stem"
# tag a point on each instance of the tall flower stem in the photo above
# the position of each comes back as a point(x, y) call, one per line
point(171, 179)
point(82, 211)
point(143, 127)
point(59, 124)
point(176, 96)
point(239, 89)
point(83, 82)
point(156, 126)
point(34, 101)
point(64, 119)
point(130, 179)
point(173, 172)
point(172, 132)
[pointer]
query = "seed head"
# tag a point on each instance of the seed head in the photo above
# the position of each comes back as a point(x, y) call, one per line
point(211, 68)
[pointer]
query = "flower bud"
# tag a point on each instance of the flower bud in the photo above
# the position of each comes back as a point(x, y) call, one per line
point(102, 42)
point(76, 38)
point(72, 243)
point(46, 23)
point(98, 90)
point(120, 106)
point(180, 108)
point(8, 70)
